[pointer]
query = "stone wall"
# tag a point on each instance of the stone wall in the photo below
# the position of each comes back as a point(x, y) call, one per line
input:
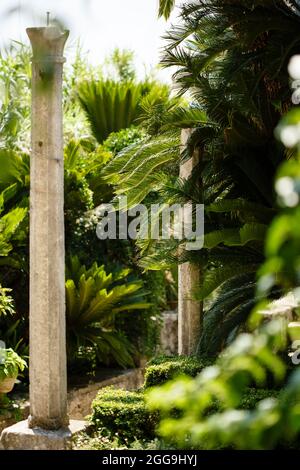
point(80, 398)
point(169, 333)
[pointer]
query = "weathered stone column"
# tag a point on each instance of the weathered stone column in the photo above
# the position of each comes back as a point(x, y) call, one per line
point(189, 310)
point(48, 426)
point(48, 377)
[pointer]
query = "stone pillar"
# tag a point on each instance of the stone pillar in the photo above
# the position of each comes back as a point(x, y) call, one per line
point(48, 376)
point(48, 426)
point(189, 310)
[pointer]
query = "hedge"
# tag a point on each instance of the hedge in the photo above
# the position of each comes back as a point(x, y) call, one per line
point(164, 368)
point(123, 414)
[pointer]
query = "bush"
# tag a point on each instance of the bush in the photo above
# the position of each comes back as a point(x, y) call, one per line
point(253, 395)
point(122, 414)
point(217, 409)
point(122, 418)
point(11, 364)
point(164, 368)
point(117, 141)
point(248, 401)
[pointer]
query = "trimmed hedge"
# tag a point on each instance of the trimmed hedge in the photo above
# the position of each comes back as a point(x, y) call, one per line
point(122, 414)
point(249, 400)
point(164, 368)
point(254, 395)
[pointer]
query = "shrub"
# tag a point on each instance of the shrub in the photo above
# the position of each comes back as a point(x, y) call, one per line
point(253, 395)
point(164, 368)
point(123, 414)
point(117, 141)
point(217, 409)
point(122, 418)
point(6, 302)
point(93, 300)
point(11, 364)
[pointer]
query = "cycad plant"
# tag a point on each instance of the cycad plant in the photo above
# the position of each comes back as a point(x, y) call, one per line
point(109, 105)
point(112, 105)
point(93, 300)
point(259, 357)
point(231, 58)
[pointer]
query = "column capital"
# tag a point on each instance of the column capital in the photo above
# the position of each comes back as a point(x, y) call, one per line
point(47, 43)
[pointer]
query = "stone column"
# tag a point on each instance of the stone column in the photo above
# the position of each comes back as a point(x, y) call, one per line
point(48, 426)
point(48, 376)
point(189, 310)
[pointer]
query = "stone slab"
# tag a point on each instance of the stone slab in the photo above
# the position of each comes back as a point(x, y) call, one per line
point(21, 437)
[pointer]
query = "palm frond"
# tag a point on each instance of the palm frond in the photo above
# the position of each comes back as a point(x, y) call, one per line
point(165, 8)
point(93, 299)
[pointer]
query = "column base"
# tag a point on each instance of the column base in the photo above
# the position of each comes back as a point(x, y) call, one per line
point(20, 437)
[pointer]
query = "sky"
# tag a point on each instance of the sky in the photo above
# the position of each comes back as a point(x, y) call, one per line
point(101, 25)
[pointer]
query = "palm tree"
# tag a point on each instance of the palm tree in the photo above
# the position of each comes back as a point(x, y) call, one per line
point(231, 58)
point(165, 8)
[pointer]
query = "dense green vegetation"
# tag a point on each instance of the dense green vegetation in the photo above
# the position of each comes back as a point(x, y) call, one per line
point(123, 415)
point(241, 387)
point(93, 300)
point(259, 357)
point(228, 61)
point(163, 368)
point(231, 59)
point(125, 419)
point(112, 315)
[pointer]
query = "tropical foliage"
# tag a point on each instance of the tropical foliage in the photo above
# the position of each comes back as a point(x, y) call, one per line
point(15, 105)
point(11, 364)
point(9, 224)
point(165, 7)
point(124, 137)
point(121, 100)
point(121, 336)
point(251, 358)
point(6, 302)
point(93, 300)
point(248, 360)
point(228, 61)
point(283, 243)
